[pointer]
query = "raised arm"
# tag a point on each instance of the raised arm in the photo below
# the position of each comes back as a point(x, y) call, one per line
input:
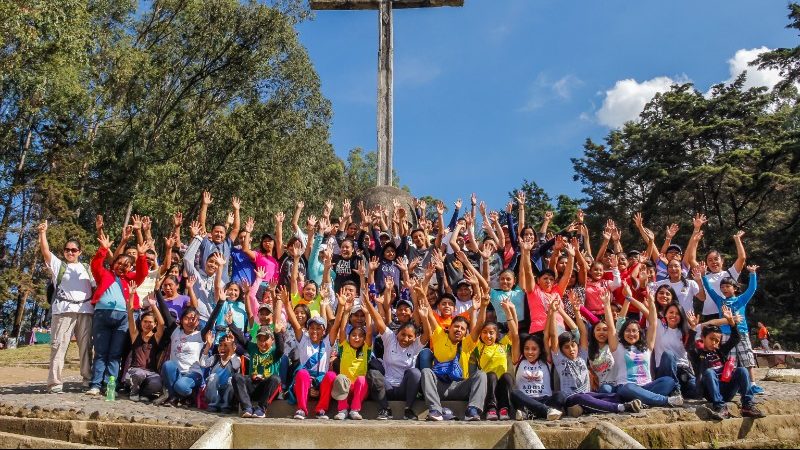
point(43, 245)
point(160, 324)
point(290, 316)
point(454, 217)
point(576, 306)
point(294, 253)
point(278, 248)
point(380, 324)
point(476, 327)
point(337, 330)
point(741, 255)
point(526, 278)
point(647, 236)
point(606, 239)
point(652, 322)
point(133, 331)
point(296, 216)
point(672, 230)
point(169, 243)
point(207, 200)
point(613, 342)
point(690, 256)
point(190, 281)
point(520, 197)
point(548, 217)
point(567, 275)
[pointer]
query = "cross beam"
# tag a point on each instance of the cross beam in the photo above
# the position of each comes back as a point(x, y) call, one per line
point(385, 66)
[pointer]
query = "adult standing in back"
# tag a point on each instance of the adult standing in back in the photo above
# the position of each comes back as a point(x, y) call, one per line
point(71, 308)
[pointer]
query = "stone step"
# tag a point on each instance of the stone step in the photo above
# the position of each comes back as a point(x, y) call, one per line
point(741, 444)
point(281, 409)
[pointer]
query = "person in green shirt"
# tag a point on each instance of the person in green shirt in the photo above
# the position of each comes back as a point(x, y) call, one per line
point(262, 382)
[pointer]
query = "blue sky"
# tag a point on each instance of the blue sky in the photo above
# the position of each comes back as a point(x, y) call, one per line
point(502, 90)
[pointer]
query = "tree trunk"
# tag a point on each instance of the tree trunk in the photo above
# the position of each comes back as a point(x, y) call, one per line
point(16, 183)
point(22, 298)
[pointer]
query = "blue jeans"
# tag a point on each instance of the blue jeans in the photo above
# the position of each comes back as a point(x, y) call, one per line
point(606, 388)
point(668, 367)
point(425, 359)
point(652, 394)
point(109, 333)
point(718, 392)
point(179, 384)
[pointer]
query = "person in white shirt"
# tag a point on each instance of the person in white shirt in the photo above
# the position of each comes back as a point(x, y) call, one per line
point(71, 308)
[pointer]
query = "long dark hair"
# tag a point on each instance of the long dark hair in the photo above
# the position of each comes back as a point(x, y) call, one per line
point(640, 345)
point(539, 341)
point(683, 325)
point(594, 344)
point(661, 311)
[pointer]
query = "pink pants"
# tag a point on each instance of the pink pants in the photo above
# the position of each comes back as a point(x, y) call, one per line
point(358, 393)
point(302, 384)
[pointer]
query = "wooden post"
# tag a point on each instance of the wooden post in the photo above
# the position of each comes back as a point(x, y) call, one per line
point(385, 92)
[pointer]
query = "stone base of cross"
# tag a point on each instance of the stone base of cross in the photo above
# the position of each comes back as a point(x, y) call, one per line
point(385, 66)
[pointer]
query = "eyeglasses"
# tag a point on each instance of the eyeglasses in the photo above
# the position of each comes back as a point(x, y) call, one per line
point(72, 250)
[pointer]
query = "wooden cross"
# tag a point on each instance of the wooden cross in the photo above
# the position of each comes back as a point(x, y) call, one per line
point(385, 65)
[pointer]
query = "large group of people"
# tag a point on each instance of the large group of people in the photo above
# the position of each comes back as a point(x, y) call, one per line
point(389, 305)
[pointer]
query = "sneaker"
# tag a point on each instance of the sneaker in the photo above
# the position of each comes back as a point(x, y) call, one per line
point(521, 415)
point(504, 414)
point(355, 415)
point(321, 415)
point(675, 401)
point(247, 413)
point(473, 414)
point(57, 389)
point(714, 412)
point(434, 416)
point(447, 413)
point(491, 415)
point(752, 411)
point(93, 391)
point(134, 398)
point(756, 389)
point(553, 414)
point(299, 415)
point(259, 413)
point(213, 409)
point(341, 415)
point(633, 406)
point(408, 414)
point(575, 411)
point(384, 414)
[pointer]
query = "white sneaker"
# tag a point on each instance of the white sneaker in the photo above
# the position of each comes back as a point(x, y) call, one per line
point(520, 415)
point(341, 415)
point(355, 415)
point(134, 398)
point(93, 391)
point(57, 389)
point(553, 414)
point(675, 401)
point(300, 415)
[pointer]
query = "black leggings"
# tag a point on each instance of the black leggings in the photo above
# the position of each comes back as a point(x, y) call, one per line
point(498, 391)
point(539, 405)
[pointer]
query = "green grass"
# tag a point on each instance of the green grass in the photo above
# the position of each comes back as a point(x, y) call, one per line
point(34, 354)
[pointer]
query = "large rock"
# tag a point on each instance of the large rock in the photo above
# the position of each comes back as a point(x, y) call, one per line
point(384, 195)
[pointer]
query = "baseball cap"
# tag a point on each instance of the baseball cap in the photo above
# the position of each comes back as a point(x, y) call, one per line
point(356, 308)
point(674, 248)
point(404, 302)
point(265, 331)
point(318, 320)
point(633, 253)
point(266, 306)
point(341, 388)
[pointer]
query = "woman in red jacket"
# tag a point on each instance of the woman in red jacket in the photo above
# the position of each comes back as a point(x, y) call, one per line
point(110, 324)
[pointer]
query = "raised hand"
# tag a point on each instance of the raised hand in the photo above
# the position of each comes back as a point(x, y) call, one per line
point(494, 216)
point(231, 218)
point(132, 286)
point(195, 228)
point(169, 241)
point(616, 234)
point(650, 235)
point(245, 285)
point(374, 263)
point(346, 209)
point(300, 205)
point(440, 208)
point(509, 207)
point(296, 250)
point(207, 200)
point(261, 272)
point(389, 285)
point(137, 222)
point(229, 317)
point(250, 225)
point(414, 263)
point(520, 197)
point(402, 263)
point(474, 199)
point(699, 220)
point(104, 240)
point(738, 236)
point(574, 300)
point(727, 313)
point(458, 204)
point(190, 282)
point(424, 308)
point(580, 215)
point(672, 230)
point(177, 219)
point(328, 208)
point(42, 227)
point(608, 231)
point(280, 217)
point(752, 269)
point(612, 261)
point(698, 272)
point(570, 249)
point(147, 223)
point(468, 219)
point(606, 297)
point(691, 319)
point(324, 226)
point(98, 222)
point(236, 204)
point(638, 220)
point(310, 222)
point(548, 216)
point(145, 246)
point(482, 209)
point(527, 243)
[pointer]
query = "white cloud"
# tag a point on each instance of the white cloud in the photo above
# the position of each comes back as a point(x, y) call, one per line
point(544, 90)
point(628, 97)
point(755, 77)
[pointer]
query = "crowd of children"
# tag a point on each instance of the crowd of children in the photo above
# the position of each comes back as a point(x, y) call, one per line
point(517, 323)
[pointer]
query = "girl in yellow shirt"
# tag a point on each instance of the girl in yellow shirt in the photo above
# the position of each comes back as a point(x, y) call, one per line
point(492, 356)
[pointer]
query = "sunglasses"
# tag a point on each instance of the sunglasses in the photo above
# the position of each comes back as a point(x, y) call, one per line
point(72, 250)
